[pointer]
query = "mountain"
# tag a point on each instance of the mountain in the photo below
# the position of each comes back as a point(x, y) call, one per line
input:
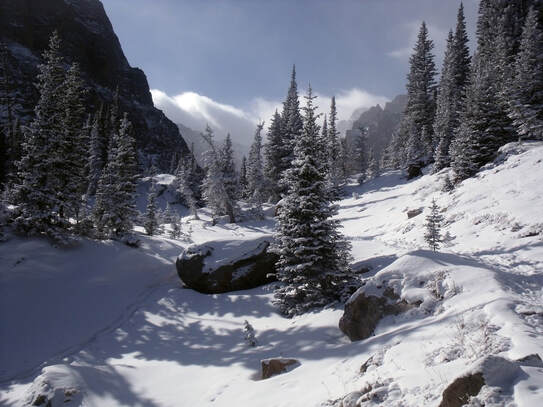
point(89, 39)
point(379, 123)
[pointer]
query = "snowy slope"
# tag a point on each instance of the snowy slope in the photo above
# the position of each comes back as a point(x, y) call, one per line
point(114, 327)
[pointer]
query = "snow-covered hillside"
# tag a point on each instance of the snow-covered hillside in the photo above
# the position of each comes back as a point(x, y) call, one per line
point(108, 325)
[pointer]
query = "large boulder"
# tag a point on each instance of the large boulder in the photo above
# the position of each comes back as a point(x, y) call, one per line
point(227, 265)
point(364, 311)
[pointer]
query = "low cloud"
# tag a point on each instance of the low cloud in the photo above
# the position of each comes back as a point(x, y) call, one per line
point(436, 34)
point(195, 111)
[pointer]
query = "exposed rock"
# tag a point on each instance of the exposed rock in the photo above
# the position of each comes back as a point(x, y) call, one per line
point(459, 392)
point(363, 312)
point(223, 266)
point(413, 212)
point(273, 366)
point(87, 38)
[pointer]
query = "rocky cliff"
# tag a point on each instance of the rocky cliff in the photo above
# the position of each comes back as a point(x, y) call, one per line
point(87, 38)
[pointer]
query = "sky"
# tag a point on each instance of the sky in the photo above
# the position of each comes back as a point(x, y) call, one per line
point(228, 62)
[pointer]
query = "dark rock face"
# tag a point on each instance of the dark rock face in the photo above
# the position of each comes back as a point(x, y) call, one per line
point(274, 366)
point(214, 268)
point(363, 313)
point(459, 392)
point(413, 212)
point(87, 38)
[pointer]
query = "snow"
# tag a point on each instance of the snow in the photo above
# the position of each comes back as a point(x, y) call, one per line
point(108, 325)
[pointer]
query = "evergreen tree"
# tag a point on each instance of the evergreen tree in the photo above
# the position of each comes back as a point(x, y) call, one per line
point(72, 156)
point(335, 174)
point(37, 189)
point(229, 178)
point(98, 150)
point(526, 93)
point(273, 152)
point(256, 184)
point(175, 231)
point(433, 227)
point(183, 187)
point(313, 257)
point(291, 128)
point(373, 165)
point(151, 221)
point(115, 208)
point(420, 110)
point(6, 101)
point(243, 178)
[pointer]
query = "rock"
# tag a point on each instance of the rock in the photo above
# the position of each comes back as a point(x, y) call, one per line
point(533, 360)
point(413, 212)
point(230, 265)
point(459, 392)
point(363, 312)
point(87, 38)
point(273, 366)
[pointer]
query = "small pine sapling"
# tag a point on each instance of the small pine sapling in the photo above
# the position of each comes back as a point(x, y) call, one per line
point(249, 334)
point(175, 231)
point(448, 185)
point(433, 227)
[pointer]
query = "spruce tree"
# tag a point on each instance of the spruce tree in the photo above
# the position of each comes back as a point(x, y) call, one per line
point(526, 93)
point(420, 110)
point(37, 188)
point(229, 178)
point(273, 152)
point(115, 208)
point(333, 147)
point(97, 150)
point(256, 183)
point(433, 227)
point(183, 187)
point(151, 220)
point(243, 178)
point(373, 165)
point(313, 256)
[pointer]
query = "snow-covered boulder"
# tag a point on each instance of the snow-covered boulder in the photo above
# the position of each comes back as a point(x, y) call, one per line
point(364, 311)
point(226, 265)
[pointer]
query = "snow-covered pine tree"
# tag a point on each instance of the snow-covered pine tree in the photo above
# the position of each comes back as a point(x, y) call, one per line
point(256, 183)
point(115, 208)
point(291, 128)
point(242, 181)
point(336, 177)
point(229, 178)
point(373, 165)
point(444, 124)
point(433, 227)
point(37, 188)
point(219, 184)
point(415, 156)
point(72, 157)
point(183, 187)
point(273, 152)
point(526, 93)
point(313, 256)
point(151, 223)
point(176, 230)
point(98, 149)
point(420, 109)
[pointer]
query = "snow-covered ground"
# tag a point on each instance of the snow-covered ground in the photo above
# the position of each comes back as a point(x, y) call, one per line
point(108, 325)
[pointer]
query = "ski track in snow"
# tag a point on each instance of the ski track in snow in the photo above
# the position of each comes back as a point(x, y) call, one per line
point(165, 345)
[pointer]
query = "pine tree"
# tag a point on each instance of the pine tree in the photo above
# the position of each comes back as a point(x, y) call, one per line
point(151, 221)
point(115, 208)
point(291, 128)
point(37, 190)
point(183, 187)
point(73, 153)
point(313, 257)
point(175, 231)
point(229, 178)
point(526, 93)
point(333, 147)
point(420, 110)
point(256, 183)
point(373, 165)
point(98, 150)
point(273, 152)
point(243, 178)
point(433, 227)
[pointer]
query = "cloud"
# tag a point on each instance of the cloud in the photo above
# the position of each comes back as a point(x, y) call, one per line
point(195, 111)
point(436, 34)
